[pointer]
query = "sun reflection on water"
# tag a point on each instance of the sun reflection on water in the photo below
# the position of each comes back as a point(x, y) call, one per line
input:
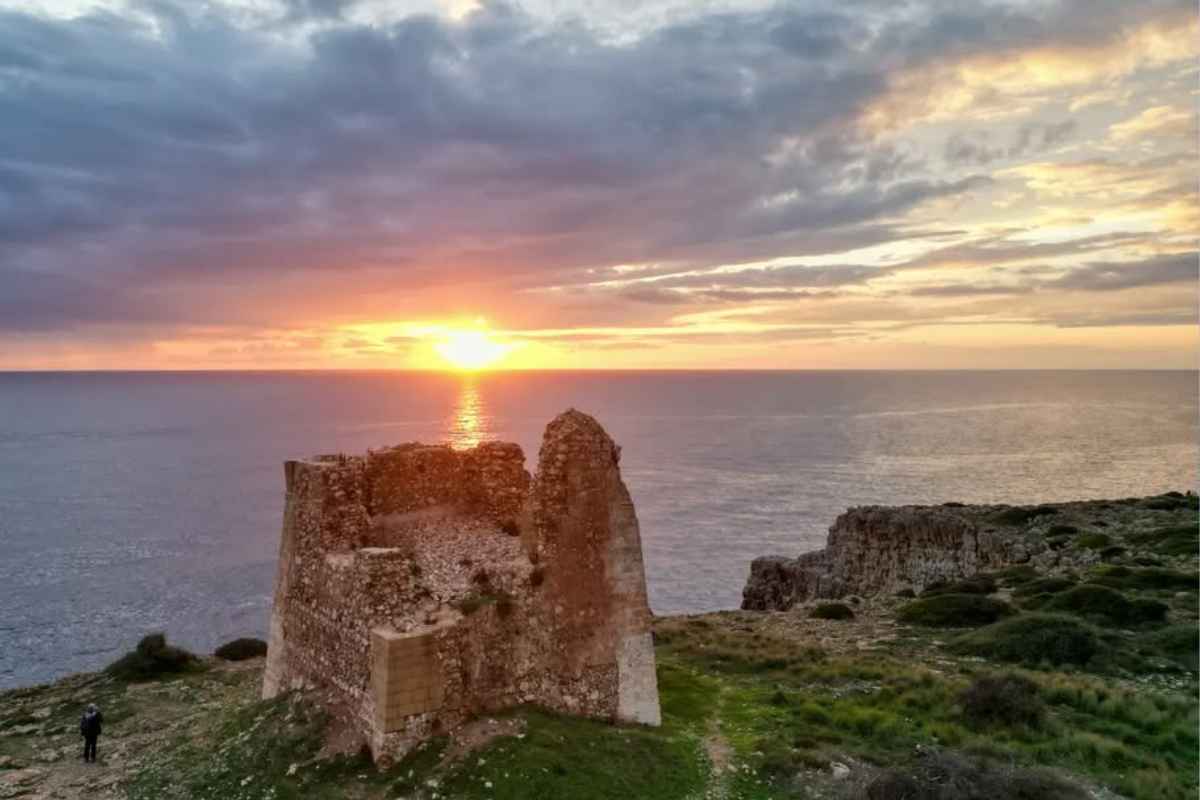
point(468, 425)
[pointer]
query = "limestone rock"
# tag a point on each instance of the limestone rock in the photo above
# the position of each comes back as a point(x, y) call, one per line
point(878, 549)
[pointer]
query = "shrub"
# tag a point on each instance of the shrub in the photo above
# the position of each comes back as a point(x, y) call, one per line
point(152, 658)
point(952, 776)
point(505, 605)
point(1176, 540)
point(1001, 700)
point(906, 593)
point(1011, 576)
point(1169, 502)
point(474, 601)
point(537, 577)
point(832, 611)
point(1032, 639)
point(1020, 515)
point(1180, 643)
point(241, 649)
point(1043, 586)
point(1106, 605)
point(1112, 552)
point(976, 584)
point(510, 528)
point(947, 610)
point(1094, 541)
point(1151, 578)
point(1060, 529)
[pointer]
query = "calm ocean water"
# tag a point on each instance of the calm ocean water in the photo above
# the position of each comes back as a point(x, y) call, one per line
point(136, 502)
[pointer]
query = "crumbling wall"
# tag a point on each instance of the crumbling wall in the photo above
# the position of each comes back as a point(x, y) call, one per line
point(518, 590)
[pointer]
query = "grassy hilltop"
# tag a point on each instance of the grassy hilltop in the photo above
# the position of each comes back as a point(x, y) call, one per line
point(1081, 683)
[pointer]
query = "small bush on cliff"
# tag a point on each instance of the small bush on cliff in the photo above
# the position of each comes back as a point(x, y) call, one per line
point(1179, 643)
point(832, 611)
point(1019, 515)
point(952, 776)
point(1014, 576)
point(1094, 541)
point(1146, 579)
point(1175, 540)
point(1043, 586)
point(953, 610)
point(1112, 553)
point(1009, 700)
point(976, 584)
point(241, 649)
point(1107, 605)
point(1033, 639)
point(1061, 529)
point(152, 658)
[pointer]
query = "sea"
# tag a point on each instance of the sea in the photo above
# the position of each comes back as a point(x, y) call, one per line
point(139, 502)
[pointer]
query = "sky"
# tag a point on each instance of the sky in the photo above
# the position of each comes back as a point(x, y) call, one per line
point(260, 184)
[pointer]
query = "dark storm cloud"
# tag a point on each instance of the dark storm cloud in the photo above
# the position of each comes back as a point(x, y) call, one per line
point(162, 154)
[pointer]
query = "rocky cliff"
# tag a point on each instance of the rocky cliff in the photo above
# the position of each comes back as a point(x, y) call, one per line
point(876, 549)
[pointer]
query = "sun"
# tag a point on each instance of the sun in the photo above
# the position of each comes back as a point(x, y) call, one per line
point(470, 349)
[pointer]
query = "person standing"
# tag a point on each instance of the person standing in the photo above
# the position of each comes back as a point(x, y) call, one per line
point(89, 729)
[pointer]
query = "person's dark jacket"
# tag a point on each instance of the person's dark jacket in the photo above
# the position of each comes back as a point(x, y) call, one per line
point(89, 726)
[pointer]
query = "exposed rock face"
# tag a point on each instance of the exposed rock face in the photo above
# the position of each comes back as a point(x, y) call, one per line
point(873, 549)
point(420, 586)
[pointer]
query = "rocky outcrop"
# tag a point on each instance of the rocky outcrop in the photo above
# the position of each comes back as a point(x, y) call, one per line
point(874, 549)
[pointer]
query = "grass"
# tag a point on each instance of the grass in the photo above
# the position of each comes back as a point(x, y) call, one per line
point(953, 610)
point(783, 710)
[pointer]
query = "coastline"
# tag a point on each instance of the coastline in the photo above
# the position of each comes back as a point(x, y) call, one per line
point(756, 703)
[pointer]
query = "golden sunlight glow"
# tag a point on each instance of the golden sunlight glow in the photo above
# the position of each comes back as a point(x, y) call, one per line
point(470, 349)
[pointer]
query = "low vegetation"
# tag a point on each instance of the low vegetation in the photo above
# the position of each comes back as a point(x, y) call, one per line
point(953, 610)
point(1002, 701)
point(1085, 685)
point(978, 584)
point(241, 649)
point(152, 658)
point(1105, 605)
point(832, 611)
point(1033, 639)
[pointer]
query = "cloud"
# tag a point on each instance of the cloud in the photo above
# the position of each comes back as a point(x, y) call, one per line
point(973, 148)
point(1156, 121)
point(1107, 276)
point(212, 164)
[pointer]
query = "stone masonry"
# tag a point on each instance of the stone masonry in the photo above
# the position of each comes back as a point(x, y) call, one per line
point(419, 586)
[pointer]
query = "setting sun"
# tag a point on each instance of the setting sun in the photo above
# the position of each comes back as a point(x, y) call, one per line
point(470, 349)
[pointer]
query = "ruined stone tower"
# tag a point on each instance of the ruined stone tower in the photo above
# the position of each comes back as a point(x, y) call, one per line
point(421, 585)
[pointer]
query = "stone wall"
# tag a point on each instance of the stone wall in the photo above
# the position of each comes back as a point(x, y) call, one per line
point(876, 549)
point(516, 589)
